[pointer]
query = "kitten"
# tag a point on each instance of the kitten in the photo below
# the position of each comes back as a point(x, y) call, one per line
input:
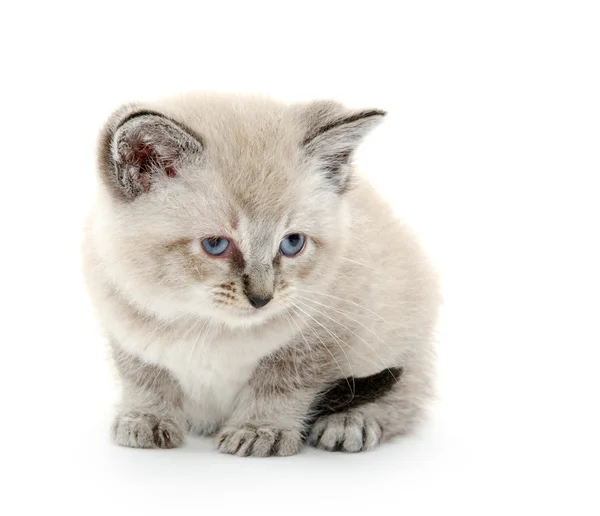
point(251, 285)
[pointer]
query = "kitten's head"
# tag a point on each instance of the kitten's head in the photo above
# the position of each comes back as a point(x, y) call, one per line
point(225, 206)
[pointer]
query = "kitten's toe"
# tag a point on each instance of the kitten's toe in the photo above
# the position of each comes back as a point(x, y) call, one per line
point(259, 441)
point(140, 430)
point(348, 432)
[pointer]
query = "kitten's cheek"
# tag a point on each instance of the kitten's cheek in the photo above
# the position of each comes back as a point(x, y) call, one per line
point(196, 247)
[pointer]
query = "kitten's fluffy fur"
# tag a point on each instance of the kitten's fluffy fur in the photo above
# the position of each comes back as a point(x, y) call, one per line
point(342, 355)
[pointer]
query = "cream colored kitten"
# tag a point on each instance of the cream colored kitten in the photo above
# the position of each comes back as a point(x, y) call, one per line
point(251, 285)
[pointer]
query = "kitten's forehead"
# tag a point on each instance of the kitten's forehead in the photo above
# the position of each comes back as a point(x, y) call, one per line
point(252, 142)
point(242, 127)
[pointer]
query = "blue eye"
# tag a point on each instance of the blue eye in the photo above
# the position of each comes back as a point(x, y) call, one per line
point(215, 246)
point(292, 244)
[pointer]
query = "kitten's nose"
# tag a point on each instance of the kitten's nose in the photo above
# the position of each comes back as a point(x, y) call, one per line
point(258, 301)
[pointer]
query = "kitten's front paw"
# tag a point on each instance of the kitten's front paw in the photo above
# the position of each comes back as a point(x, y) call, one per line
point(140, 430)
point(259, 441)
point(349, 432)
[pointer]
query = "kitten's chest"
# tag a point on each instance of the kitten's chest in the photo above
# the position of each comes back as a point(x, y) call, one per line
point(211, 370)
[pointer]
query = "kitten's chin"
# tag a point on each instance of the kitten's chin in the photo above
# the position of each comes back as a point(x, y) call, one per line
point(245, 318)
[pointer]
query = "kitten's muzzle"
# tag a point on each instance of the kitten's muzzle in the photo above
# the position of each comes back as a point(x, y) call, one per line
point(259, 285)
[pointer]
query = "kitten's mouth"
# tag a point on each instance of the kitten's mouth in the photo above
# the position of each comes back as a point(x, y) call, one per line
point(254, 314)
point(246, 314)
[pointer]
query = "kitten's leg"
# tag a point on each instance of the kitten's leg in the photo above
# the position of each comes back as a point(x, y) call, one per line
point(382, 406)
point(271, 413)
point(150, 414)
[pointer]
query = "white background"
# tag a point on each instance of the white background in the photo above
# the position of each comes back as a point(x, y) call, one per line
point(491, 151)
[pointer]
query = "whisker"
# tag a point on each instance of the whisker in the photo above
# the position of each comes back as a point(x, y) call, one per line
point(345, 301)
point(357, 263)
point(288, 319)
point(346, 314)
point(203, 331)
point(355, 334)
point(351, 387)
point(312, 355)
point(182, 339)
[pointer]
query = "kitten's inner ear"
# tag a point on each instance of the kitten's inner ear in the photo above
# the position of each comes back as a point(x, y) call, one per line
point(146, 150)
point(332, 136)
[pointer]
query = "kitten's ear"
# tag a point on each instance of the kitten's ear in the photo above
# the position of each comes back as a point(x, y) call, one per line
point(332, 134)
point(142, 149)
